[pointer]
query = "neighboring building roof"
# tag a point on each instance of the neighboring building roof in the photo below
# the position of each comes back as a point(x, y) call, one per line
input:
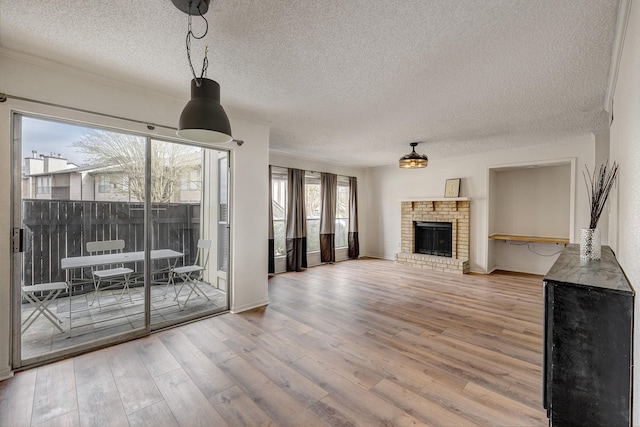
point(75, 169)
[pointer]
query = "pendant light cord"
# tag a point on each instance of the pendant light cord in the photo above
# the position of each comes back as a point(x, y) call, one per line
point(205, 61)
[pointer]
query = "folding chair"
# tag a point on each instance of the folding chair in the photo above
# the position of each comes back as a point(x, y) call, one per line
point(41, 306)
point(110, 275)
point(191, 274)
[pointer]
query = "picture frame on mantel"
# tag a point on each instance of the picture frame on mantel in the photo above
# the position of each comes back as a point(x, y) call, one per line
point(452, 188)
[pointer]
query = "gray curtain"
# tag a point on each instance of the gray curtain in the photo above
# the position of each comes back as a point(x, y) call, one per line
point(354, 244)
point(296, 222)
point(272, 259)
point(328, 196)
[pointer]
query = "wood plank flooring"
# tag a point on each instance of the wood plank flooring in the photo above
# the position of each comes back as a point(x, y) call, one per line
point(363, 342)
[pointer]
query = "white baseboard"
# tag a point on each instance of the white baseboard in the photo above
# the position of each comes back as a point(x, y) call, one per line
point(378, 256)
point(240, 309)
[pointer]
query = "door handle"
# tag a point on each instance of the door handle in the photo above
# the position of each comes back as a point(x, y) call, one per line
point(17, 239)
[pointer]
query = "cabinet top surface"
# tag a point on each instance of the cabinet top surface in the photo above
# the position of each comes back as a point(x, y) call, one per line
point(604, 273)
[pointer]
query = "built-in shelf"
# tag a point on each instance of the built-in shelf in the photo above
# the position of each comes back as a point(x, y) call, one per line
point(536, 239)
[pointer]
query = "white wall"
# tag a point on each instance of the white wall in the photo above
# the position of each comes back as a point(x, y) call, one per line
point(524, 197)
point(624, 222)
point(299, 162)
point(525, 257)
point(387, 185)
point(249, 233)
point(601, 156)
point(30, 77)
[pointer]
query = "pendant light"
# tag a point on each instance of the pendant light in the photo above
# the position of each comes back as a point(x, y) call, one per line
point(413, 160)
point(203, 118)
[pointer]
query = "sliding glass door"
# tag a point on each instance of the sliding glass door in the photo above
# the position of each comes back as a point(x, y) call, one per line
point(115, 234)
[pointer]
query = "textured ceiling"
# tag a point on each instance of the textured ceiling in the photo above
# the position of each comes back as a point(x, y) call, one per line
point(354, 81)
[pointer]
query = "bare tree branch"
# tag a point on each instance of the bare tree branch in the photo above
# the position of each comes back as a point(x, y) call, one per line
point(125, 155)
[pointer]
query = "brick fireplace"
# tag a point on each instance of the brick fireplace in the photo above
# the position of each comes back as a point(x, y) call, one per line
point(455, 211)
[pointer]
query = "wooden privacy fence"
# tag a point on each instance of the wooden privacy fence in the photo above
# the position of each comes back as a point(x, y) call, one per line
point(57, 229)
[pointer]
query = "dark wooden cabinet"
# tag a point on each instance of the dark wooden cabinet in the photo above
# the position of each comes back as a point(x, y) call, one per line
point(588, 341)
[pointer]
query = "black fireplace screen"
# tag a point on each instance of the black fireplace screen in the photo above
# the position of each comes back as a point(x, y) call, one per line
point(433, 238)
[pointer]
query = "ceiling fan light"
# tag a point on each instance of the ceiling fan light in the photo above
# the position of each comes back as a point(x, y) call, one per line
point(413, 160)
point(203, 118)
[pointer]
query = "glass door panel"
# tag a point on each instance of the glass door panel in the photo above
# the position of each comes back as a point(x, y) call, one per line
point(79, 200)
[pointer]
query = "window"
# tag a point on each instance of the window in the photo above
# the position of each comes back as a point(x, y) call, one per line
point(342, 212)
point(313, 204)
point(279, 206)
point(43, 185)
point(104, 184)
point(190, 180)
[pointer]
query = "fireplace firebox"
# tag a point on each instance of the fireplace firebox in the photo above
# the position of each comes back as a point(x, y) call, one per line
point(433, 238)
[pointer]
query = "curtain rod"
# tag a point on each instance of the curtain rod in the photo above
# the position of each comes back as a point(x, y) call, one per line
point(284, 167)
point(150, 126)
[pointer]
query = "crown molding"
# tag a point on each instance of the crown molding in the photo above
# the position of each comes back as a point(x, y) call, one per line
point(616, 53)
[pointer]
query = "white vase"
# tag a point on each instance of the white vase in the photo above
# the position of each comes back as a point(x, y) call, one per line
point(589, 244)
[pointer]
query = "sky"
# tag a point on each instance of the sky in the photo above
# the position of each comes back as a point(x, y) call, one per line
point(48, 137)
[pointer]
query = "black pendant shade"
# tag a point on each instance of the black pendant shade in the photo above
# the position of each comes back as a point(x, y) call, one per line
point(192, 7)
point(203, 118)
point(413, 160)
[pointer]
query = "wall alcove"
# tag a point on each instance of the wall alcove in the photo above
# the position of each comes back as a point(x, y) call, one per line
point(530, 214)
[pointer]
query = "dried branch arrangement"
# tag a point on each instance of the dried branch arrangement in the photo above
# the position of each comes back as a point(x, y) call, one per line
point(599, 186)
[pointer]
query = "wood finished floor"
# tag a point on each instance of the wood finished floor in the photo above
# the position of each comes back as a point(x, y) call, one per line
point(362, 342)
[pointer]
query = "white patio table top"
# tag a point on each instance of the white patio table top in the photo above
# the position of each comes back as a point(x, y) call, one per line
point(117, 258)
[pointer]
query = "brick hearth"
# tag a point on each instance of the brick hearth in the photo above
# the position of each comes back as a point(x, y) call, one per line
point(456, 212)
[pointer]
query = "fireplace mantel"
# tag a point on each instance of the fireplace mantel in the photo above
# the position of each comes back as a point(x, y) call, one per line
point(436, 199)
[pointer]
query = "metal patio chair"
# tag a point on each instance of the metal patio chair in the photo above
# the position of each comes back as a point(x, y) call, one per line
point(41, 303)
point(114, 276)
point(191, 274)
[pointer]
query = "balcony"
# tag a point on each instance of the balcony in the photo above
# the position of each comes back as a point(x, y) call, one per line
point(59, 229)
point(60, 193)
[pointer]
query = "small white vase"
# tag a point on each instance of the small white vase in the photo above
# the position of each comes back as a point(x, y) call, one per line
point(589, 244)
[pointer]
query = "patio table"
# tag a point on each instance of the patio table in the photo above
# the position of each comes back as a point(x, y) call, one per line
point(87, 261)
